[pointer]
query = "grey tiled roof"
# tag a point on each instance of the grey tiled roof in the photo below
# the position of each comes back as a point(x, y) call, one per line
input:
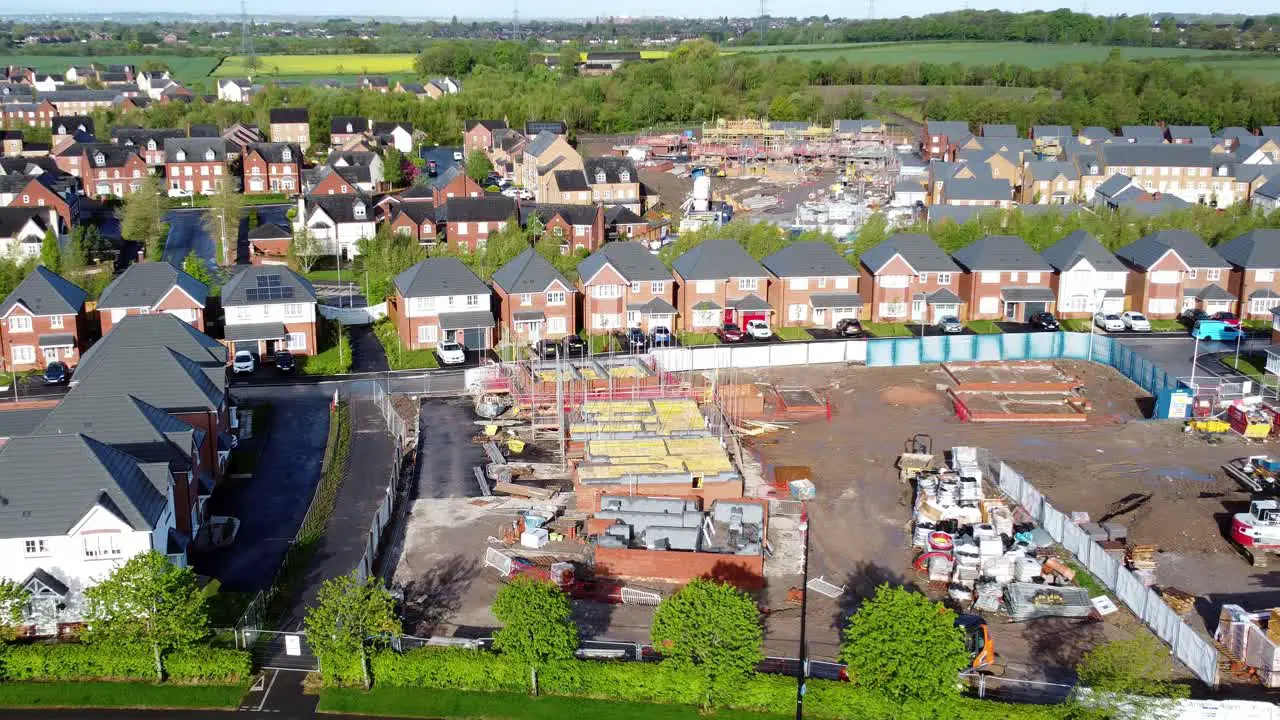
point(155, 331)
point(1000, 252)
point(56, 340)
point(1095, 133)
point(21, 422)
point(1062, 132)
point(267, 285)
point(126, 423)
point(707, 305)
point(956, 213)
point(440, 276)
point(717, 260)
point(630, 259)
point(943, 296)
point(528, 315)
point(808, 259)
point(1048, 170)
point(1189, 131)
point(1254, 249)
point(656, 306)
point(1141, 132)
point(528, 272)
point(1026, 294)
point(1146, 251)
point(161, 377)
point(489, 208)
point(571, 180)
point(1166, 155)
point(1113, 185)
point(196, 149)
point(45, 292)
point(750, 302)
point(1214, 292)
point(955, 130)
point(540, 143)
point(919, 250)
point(1080, 245)
point(612, 167)
point(466, 320)
point(147, 283)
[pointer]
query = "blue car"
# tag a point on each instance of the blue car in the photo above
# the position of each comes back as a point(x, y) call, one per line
point(1215, 330)
point(661, 336)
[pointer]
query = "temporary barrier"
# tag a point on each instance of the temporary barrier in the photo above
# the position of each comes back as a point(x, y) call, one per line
point(749, 355)
point(354, 315)
point(495, 558)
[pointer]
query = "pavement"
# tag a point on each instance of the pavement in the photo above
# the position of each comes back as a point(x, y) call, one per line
point(187, 232)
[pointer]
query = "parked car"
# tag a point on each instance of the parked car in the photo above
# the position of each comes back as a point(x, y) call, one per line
point(457, 154)
point(759, 330)
point(451, 353)
point(243, 362)
point(730, 333)
point(950, 324)
point(491, 180)
point(1109, 322)
point(57, 373)
point(549, 349)
point(661, 336)
point(432, 168)
point(1215, 330)
point(1136, 321)
point(1043, 321)
point(849, 327)
point(636, 339)
point(285, 362)
point(574, 345)
point(1190, 317)
point(1227, 317)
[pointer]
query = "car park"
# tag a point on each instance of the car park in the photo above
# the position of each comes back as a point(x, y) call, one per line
point(1043, 321)
point(451, 353)
point(759, 330)
point(661, 336)
point(285, 362)
point(574, 345)
point(243, 362)
point(1136, 321)
point(1109, 322)
point(730, 333)
point(950, 324)
point(849, 328)
point(57, 373)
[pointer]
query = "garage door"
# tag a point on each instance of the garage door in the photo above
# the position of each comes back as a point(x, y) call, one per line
point(941, 311)
point(1034, 307)
point(749, 316)
point(473, 339)
point(250, 345)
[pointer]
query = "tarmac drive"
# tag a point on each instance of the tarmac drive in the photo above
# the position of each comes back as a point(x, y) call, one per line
point(448, 455)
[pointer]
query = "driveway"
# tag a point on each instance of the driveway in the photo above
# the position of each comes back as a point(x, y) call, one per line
point(272, 503)
point(448, 455)
point(367, 354)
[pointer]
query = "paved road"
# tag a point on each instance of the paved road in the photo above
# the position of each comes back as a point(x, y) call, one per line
point(1174, 354)
point(187, 232)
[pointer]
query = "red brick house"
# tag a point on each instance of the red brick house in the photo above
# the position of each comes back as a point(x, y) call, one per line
point(105, 170)
point(816, 287)
point(269, 308)
point(1173, 270)
point(478, 134)
point(153, 287)
point(272, 168)
point(1004, 279)
point(718, 282)
point(49, 192)
point(535, 301)
point(940, 138)
point(574, 227)
point(42, 321)
point(441, 299)
point(329, 181)
point(416, 220)
point(1255, 271)
point(194, 166)
point(621, 223)
point(468, 221)
point(456, 183)
point(269, 244)
point(148, 143)
point(624, 285)
point(908, 278)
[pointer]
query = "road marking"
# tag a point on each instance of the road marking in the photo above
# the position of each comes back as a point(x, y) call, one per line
point(265, 695)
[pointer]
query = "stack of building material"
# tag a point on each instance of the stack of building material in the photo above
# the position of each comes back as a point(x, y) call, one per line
point(1029, 601)
point(1181, 601)
point(1142, 560)
point(1249, 637)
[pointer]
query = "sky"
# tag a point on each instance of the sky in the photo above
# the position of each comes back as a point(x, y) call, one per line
point(674, 8)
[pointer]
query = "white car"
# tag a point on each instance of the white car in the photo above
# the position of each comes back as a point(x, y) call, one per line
point(1109, 322)
point(451, 353)
point(759, 330)
point(243, 362)
point(512, 192)
point(1136, 321)
point(457, 154)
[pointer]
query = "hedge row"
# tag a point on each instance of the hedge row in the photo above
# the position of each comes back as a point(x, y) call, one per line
point(459, 669)
point(75, 661)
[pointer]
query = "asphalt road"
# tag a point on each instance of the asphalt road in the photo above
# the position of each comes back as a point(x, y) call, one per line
point(1175, 354)
point(187, 232)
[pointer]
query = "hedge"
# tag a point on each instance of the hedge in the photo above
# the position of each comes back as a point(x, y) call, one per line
point(475, 670)
point(76, 661)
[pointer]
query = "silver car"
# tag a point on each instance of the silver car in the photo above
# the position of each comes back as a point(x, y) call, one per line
point(950, 324)
point(1109, 322)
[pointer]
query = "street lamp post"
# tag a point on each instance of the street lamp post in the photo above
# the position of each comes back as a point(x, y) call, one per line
point(803, 671)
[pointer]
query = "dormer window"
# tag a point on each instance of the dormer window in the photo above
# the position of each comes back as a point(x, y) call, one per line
point(99, 159)
point(62, 129)
point(358, 210)
point(151, 144)
point(1093, 168)
point(1222, 171)
point(181, 156)
point(287, 155)
point(350, 129)
point(600, 177)
point(209, 155)
point(624, 176)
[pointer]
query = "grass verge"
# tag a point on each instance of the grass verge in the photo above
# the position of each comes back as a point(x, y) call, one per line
point(1166, 325)
point(886, 329)
point(398, 356)
point(984, 327)
point(1256, 325)
point(1086, 580)
point(793, 334)
point(602, 343)
point(1255, 367)
point(334, 358)
point(1075, 324)
point(694, 339)
point(118, 695)
point(418, 702)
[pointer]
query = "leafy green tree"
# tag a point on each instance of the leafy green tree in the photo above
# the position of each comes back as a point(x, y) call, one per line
point(13, 603)
point(710, 628)
point(349, 611)
point(50, 253)
point(393, 167)
point(223, 219)
point(384, 256)
point(537, 623)
point(143, 222)
point(196, 267)
point(905, 647)
point(570, 56)
point(147, 605)
point(304, 250)
point(75, 258)
point(478, 165)
point(1134, 674)
point(91, 240)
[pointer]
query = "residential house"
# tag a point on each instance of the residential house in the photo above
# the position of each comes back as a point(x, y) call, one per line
point(59, 195)
point(535, 301)
point(269, 308)
point(978, 192)
point(1094, 134)
point(78, 125)
point(546, 153)
point(1004, 279)
point(1254, 258)
point(437, 88)
point(417, 90)
point(12, 141)
point(153, 287)
point(394, 134)
point(441, 299)
point(42, 321)
point(574, 227)
point(328, 180)
point(364, 169)
point(194, 166)
point(1188, 134)
point(1052, 134)
point(1173, 270)
point(416, 220)
point(22, 232)
point(478, 134)
point(148, 143)
point(1087, 278)
point(28, 114)
point(624, 285)
point(376, 84)
point(269, 244)
point(815, 287)
point(567, 187)
point(909, 278)
point(105, 170)
point(1142, 134)
point(1188, 172)
point(291, 125)
point(718, 282)
point(940, 138)
point(344, 129)
point(613, 181)
point(1049, 183)
point(274, 167)
point(80, 102)
point(234, 90)
point(468, 221)
point(239, 137)
point(621, 223)
point(455, 183)
point(339, 222)
point(908, 193)
point(1267, 197)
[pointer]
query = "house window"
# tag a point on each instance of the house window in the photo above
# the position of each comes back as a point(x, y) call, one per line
point(944, 278)
point(706, 318)
point(894, 281)
point(55, 322)
point(580, 230)
point(633, 318)
point(635, 287)
point(473, 301)
point(243, 313)
point(462, 228)
point(705, 287)
point(822, 283)
point(358, 210)
point(555, 298)
point(1212, 274)
point(293, 310)
point(922, 278)
point(36, 547)
point(24, 354)
point(748, 283)
point(1168, 277)
point(600, 177)
point(799, 283)
point(1033, 277)
point(102, 545)
point(426, 333)
point(606, 292)
point(1265, 275)
point(297, 341)
point(208, 155)
point(989, 305)
point(20, 323)
point(556, 325)
point(893, 309)
point(657, 287)
point(624, 176)
point(990, 277)
point(180, 156)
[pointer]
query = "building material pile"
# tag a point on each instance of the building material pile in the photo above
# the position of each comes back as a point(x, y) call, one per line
point(1141, 559)
point(1253, 639)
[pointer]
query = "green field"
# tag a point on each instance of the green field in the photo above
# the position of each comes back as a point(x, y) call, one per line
point(318, 65)
point(973, 53)
point(185, 69)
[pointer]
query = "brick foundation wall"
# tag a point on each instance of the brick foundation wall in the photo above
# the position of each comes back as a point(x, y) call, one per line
point(744, 571)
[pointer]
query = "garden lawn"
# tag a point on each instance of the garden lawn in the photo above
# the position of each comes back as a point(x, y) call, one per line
point(1165, 325)
point(694, 339)
point(1254, 366)
point(886, 329)
point(417, 702)
point(793, 333)
point(118, 695)
point(399, 357)
point(601, 343)
point(333, 359)
point(1075, 324)
point(984, 327)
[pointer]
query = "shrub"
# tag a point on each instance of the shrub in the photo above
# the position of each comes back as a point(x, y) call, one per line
point(75, 661)
point(450, 668)
point(212, 666)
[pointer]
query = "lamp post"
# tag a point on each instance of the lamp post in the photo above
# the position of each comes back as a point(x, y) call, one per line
point(803, 671)
point(1094, 306)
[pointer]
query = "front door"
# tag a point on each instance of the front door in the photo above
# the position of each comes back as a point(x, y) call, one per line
point(728, 315)
point(50, 354)
point(271, 348)
point(820, 317)
point(917, 310)
point(1010, 311)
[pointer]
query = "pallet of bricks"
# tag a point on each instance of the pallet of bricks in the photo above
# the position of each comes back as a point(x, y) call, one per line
point(1141, 559)
point(1251, 640)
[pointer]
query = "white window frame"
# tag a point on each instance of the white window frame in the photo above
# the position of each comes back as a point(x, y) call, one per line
point(556, 297)
point(526, 299)
point(557, 325)
point(23, 354)
point(748, 284)
point(1213, 274)
point(101, 546)
point(842, 283)
point(36, 547)
point(1033, 277)
point(55, 322)
point(1265, 275)
point(297, 341)
point(635, 288)
point(1192, 274)
point(657, 287)
point(705, 287)
point(799, 283)
point(606, 291)
point(989, 277)
point(20, 323)
point(944, 278)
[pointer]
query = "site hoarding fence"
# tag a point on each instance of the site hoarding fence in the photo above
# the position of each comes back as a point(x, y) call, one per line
point(1192, 649)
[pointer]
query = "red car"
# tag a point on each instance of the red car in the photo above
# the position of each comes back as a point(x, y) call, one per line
point(730, 333)
point(1226, 317)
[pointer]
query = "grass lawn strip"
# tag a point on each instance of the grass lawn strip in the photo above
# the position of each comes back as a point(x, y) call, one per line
point(118, 695)
point(886, 329)
point(1254, 366)
point(333, 358)
point(984, 327)
point(695, 339)
point(417, 702)
point(1165, 325)
point(398, 357)
point(792, 334)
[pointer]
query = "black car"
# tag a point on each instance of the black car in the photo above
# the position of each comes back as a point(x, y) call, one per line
point(285, 362)
point(574, 345)
point(1043, 321)
point(1191, 316)
point(547, 349)
point(849, 328)
point(57, 373)
point(636, 339)
point(491, 181)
